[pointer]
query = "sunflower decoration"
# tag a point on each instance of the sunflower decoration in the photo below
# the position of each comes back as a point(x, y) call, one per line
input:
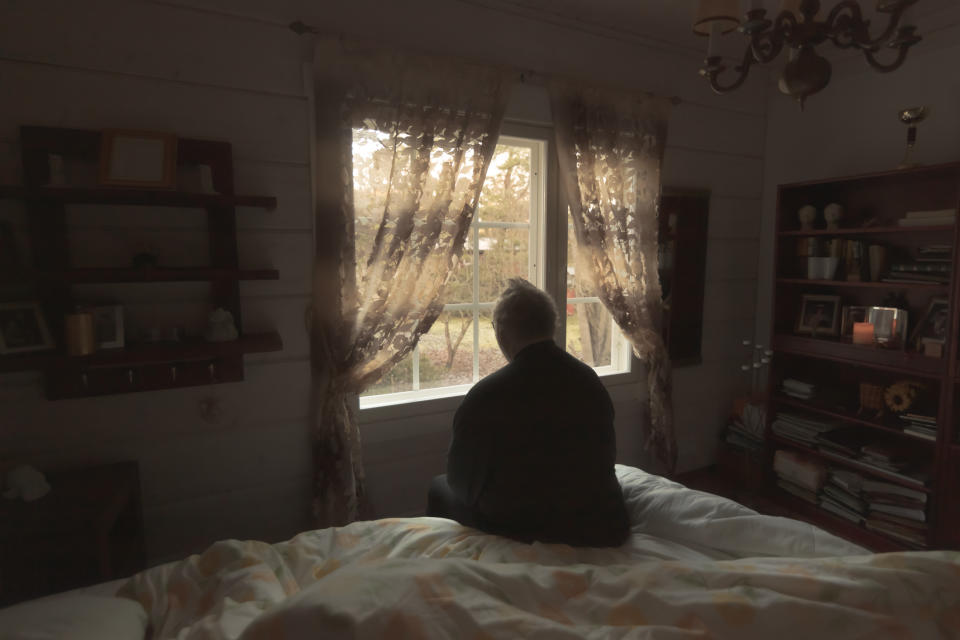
point(901, 395)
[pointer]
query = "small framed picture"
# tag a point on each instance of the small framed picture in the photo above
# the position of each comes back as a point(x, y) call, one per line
point(850, 316)
point(108, 326)
point(819, 315)
point(934, 325)
point(138, 159)
point(23, 328)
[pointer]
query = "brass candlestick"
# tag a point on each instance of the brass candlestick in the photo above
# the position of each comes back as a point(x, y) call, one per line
point(911, 117)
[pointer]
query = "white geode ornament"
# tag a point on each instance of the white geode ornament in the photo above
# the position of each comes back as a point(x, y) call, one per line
point(220, 327)
point(26, 483)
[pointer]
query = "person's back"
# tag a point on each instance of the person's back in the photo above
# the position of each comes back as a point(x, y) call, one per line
point(533, 447)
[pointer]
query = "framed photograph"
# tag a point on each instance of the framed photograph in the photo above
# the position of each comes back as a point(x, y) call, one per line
point(23, 328)
point(850, 316)
point(934, 325)
point(108, 326)
point(819, 315)
point(138, 159)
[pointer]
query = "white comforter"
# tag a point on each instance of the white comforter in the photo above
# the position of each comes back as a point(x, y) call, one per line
point(680, 575)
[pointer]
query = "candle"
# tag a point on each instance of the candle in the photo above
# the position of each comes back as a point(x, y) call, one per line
point(862, 333)
point(79, 330)
point(713, 44)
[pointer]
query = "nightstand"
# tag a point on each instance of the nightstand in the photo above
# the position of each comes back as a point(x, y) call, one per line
point(88, 529)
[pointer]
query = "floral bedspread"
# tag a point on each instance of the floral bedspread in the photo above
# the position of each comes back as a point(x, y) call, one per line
point(684, 573)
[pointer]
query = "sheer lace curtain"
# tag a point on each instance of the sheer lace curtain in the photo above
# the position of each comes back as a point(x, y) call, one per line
point(610, 147)
point(415, 135)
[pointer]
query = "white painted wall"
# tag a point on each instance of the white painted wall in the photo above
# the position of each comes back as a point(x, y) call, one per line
point(231, 70)
point(852, 127)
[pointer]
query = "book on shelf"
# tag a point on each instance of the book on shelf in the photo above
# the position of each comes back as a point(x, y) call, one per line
point(801, 492)
point(922, 267)
point(897, 520)
point(840, 510)
point(918, 432)
point(910, 513)
point(899, 533)
point(917, 477)
point(878, 487)
point(849, 500)
point(799, 470)
point(930, 214)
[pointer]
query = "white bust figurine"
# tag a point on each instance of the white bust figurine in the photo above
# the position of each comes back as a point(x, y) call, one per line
point(220, 327)
point(832, 214)
point(807, 214)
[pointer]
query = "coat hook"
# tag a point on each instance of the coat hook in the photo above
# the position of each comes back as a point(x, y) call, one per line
point(130, 376)
point(173, 373)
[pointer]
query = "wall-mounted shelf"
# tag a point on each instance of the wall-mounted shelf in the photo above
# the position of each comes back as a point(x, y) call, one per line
point(146, 366)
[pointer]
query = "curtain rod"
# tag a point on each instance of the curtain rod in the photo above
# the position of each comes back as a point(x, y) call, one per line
point(538, 78)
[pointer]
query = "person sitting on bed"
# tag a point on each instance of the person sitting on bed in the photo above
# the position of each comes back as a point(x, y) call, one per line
point(533, 443)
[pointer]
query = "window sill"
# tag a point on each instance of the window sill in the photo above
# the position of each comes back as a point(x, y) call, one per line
point(396, 406)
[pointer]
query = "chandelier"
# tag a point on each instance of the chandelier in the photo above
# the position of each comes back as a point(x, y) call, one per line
point(798, 28)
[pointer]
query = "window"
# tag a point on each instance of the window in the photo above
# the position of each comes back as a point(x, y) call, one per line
point(507, 239)
point(591, 333)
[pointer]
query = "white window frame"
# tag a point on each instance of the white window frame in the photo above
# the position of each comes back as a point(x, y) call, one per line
point(548, 260)
point(535, 273)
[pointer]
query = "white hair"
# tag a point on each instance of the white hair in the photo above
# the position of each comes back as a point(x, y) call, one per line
point(524, 312)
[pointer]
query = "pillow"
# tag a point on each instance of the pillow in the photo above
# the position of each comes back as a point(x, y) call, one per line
point(77, 617)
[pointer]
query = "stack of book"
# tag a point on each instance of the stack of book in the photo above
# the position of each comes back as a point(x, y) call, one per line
point(798, 389)
point(928, 218)
point(842, 496)
point(935, 254)
point(919, 272)
point(867, 448)
point(921, 426)
point(896, 511)
point(799, 475)
point(746, 430)
point(800, 428)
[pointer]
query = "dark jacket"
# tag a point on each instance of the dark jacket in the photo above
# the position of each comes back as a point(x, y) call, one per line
point(533, 452)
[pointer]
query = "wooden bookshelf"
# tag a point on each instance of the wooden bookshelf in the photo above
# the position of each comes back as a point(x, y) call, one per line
point(873, 204)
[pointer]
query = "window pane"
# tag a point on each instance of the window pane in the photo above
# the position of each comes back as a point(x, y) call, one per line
point(400, 378)
point(506, 190)
point(491, 358)
point(589, 334)
point(460, 285)
point(504, 254)
point(446, 351)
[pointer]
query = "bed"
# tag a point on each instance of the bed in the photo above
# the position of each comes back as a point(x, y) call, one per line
point(696, 565)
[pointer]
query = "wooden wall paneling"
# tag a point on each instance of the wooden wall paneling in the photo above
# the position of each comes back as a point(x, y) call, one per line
point(263, 127)
point(721, 174)
point(144, 46)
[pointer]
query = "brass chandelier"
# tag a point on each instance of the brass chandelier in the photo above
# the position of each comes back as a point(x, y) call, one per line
point(796, 27)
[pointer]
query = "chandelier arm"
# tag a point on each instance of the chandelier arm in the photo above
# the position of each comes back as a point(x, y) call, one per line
point(892, 23)
point(766, 46)
point(886, 68)
point(846, 30)
point(743, 69)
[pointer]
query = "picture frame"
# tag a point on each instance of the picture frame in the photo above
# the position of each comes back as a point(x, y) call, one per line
point(819, 314)
point(23, 328)
point(131, 158)
point(108, 326)
point(851, 315)
point(934, 325)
